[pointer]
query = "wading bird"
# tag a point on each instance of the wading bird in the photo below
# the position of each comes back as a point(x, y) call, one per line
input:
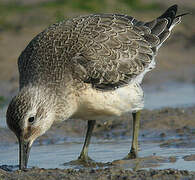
point(88, 67)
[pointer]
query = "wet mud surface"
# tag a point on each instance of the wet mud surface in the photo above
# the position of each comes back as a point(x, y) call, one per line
point(156, 125)
point(159, 125)
point(91, 174)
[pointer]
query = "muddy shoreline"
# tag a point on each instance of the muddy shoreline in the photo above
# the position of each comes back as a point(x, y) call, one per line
point(91, 174)
point(162, 123)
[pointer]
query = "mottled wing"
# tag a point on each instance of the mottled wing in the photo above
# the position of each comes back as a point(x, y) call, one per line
point(118, 48)
point(107, 50)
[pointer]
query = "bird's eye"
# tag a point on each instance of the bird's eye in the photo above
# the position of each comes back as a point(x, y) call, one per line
point(31, 119)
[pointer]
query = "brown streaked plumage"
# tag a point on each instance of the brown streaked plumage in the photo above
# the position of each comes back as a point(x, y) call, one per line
point(88, 67)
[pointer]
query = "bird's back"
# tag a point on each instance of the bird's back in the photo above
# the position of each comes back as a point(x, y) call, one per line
point(105, 50)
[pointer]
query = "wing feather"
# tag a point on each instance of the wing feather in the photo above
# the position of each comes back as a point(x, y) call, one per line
point(123, 47)
point(118, 53)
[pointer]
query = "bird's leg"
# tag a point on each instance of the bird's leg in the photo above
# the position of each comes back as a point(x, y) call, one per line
point(134, 147)
point(84, 153)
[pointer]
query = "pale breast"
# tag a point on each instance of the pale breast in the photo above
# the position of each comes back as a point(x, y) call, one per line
point(96, 105)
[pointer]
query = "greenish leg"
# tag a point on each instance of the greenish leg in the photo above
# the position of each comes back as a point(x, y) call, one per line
point(134, 147)
point(84, 153)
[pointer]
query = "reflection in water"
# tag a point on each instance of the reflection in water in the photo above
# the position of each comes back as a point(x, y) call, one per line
point(54, 156)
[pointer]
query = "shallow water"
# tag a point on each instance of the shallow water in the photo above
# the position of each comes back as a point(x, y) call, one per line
point(54, 156)
point(2, 116)
point(169, 95)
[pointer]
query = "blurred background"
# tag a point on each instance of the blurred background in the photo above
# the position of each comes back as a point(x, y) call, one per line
point(21, 20)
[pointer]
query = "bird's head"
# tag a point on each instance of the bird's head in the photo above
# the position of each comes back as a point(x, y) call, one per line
point(29, 115)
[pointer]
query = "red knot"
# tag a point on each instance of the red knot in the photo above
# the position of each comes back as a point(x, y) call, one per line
point(88, 67)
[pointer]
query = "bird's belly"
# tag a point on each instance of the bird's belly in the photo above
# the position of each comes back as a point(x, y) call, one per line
point(96, 105)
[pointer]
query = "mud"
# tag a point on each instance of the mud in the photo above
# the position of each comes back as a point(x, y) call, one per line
point(100, 174)
point(161, 124)
point(189, 157)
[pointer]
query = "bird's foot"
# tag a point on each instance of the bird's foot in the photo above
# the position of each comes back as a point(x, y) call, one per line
point(85, 161)
point(131, 155)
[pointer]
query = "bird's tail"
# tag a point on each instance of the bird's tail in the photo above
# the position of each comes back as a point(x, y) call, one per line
point(161, 27)
point(170, 16)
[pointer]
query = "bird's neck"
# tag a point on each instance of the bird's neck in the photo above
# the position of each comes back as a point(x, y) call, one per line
point(66, 106)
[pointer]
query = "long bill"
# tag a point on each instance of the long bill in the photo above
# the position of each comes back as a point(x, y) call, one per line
point(24, 151)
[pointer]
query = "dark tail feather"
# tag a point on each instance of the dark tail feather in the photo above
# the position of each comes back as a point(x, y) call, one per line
point(159, 29)
point(170, 15)
point(182, 15)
